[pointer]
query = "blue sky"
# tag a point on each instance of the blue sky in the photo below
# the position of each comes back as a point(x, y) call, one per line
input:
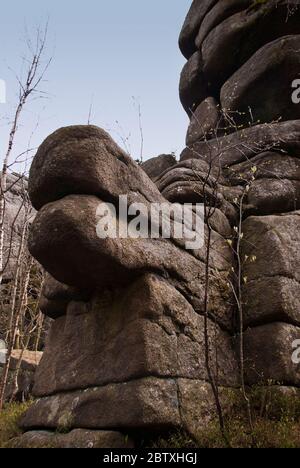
point(107, 52)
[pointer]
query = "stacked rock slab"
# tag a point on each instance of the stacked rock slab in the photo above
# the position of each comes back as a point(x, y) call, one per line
point(243, 58)
point(127, 347)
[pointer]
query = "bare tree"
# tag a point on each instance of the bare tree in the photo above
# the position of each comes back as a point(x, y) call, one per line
point(21, 322)
point(28, 86)
point(31, 319)
point(15, 308)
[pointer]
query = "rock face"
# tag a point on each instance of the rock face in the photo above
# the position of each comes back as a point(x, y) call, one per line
point(78, 439)
point(156, 166)
point(128, 312)
point(132, 341)
point(150, 321)
point(248, 124)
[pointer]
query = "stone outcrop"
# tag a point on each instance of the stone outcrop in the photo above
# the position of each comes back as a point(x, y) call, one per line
point(128, 347)
point(78, 439)
point(129, 313)
point(156, 166)
point(244, 121)
point(276, 62)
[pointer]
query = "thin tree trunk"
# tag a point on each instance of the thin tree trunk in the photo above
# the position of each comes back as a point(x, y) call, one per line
point(20, 313)
point(14, 317)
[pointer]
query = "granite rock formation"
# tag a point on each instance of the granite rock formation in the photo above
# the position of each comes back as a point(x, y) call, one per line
point(127, 349)
point(245, 54)
point(128, 312)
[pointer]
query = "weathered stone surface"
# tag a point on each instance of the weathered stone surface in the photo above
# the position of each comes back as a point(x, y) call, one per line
point(268, 196)
point(271, 299)
point(110, 263)
point(56, 296)
point(272, 278)
point(251, 29)
point(268, 354)
point(85, 160)
point(206, 122)
point(100, 262)
point(156, 166)
point(192, 24)
point(159, 405)
point(217, 14)
point(193, 88)
point(188, 171)
point(150, 322)
point(78, 439)
point(273, 181)
point(51, 308)
point(251, 86)
point(274, 241)
point(56, 291)
point(198, 406)
point(133, 344)
point(248, 143)
point(268, 165)
point(148, 403)
point(187, 181)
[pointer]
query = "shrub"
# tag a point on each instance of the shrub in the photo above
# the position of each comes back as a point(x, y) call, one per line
point(9, 418)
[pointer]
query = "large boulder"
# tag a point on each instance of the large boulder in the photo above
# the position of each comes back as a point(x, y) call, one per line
point(158, 405)
point(154, 167)
point(137, 335)
point(274, 241)
point(273, 180)
point(281, 304)
point(206, 122)
point(251, 29)
point(218, 13)
point(245, 144)
point(77, 256)
point(271, 196)
point(193, 87)
point(271, 264)
point(151, 322)
point(269, 353)
point(128, 311)
point(78, 439)
point(85, 160)
point(268, 165)
point(191, 26)
point(251, 86)
point(56, 296)
point(113, 262)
